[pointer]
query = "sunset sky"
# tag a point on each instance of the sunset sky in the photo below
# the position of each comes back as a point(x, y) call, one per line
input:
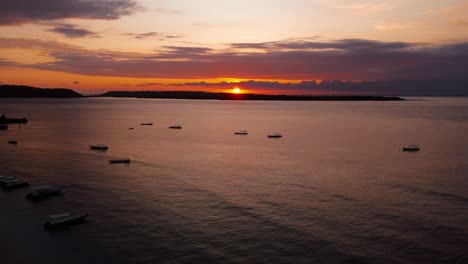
point(257, 45)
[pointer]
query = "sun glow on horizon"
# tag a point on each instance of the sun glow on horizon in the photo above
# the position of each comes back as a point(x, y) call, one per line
point(236, 90)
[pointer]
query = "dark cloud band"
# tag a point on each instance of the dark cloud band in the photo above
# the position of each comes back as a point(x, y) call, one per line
point(26, 11)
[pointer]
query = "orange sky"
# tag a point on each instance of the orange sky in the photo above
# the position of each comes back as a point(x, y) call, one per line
point(160, 45)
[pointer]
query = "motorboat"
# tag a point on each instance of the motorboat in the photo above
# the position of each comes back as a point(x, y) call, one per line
point(7, 178)
point(146, 124)
point(64, 219)
point(275, 135)
point(130, 128)
point(175, 127)
point(43, 192)
point(242, 132)
point(13, 142)
point(116, 161)
point(411, 148)
point(99, 147)
point(13, 184)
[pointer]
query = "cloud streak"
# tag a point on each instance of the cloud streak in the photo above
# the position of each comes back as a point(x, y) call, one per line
point(29, 11)
point(72, 31)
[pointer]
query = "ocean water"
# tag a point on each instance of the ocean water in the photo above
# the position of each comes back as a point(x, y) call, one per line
point(334, 189)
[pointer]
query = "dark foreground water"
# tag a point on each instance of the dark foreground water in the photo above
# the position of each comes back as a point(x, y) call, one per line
point(334, 189)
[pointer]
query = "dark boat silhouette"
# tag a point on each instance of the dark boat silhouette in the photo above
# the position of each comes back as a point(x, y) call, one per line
point(3, 127)
point(175, 127)
point(5, 120)
point(116, 161)
point(242, 133)
point(146, 124)
point(411, 148)
point(99, 147)
point(275, 135)
point(13, 142)
point(64, 219)
point(14, 184)
point(44, 192)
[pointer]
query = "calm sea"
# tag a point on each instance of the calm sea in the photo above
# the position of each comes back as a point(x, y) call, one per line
point(334, 189)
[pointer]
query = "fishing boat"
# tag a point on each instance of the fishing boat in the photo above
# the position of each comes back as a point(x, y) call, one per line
point(275, 135)
point(116, 161)
point(64, 219)
point(411, 148)
point(13, 184)
point(242, 132)
point(43, 192)
point(146, 124)
point(175, 127)
point(99, 147)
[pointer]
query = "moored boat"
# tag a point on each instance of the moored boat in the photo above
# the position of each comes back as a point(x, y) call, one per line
point(64, 219)
point(99, 147)
point(6, 178)
point(146, 124)
point(115, 161)
point(43, 192)
point(411, 148)
point(242, 132)
point(275, 135)
point(13, 184)
point(13, 142)
point(175, 127)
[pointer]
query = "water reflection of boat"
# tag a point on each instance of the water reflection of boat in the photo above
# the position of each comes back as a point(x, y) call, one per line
point(43, 192)
point(64, 219)
point(410, 148)
point(116, 161)
point(275, 135)
point(242, 132)
point(176, 127)
point(99, 147)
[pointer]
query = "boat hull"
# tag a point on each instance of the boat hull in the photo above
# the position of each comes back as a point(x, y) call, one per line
point(75, 221)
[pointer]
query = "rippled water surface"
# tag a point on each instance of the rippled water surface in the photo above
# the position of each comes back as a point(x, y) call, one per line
point(334, 189)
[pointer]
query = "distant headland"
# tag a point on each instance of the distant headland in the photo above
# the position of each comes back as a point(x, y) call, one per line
point(19, 91)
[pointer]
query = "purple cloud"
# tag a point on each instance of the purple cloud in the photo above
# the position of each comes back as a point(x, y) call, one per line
point(28, 11)
point(71, 31)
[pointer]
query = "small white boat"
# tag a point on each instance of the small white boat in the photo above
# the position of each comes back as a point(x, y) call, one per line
point(175, 127)
point(275, 135)
point(100, 147)
point(411, 148)
point(64, 219)
point(44, 191)
point(116, 161)
point(242, 132)
point(13, 184)
point(7, 178)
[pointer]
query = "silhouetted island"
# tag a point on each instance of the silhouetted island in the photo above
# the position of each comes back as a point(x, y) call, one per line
point(230, 96)
point(20, 91)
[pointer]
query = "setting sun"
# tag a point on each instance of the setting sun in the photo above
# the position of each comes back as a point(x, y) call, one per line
point(236, 90)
